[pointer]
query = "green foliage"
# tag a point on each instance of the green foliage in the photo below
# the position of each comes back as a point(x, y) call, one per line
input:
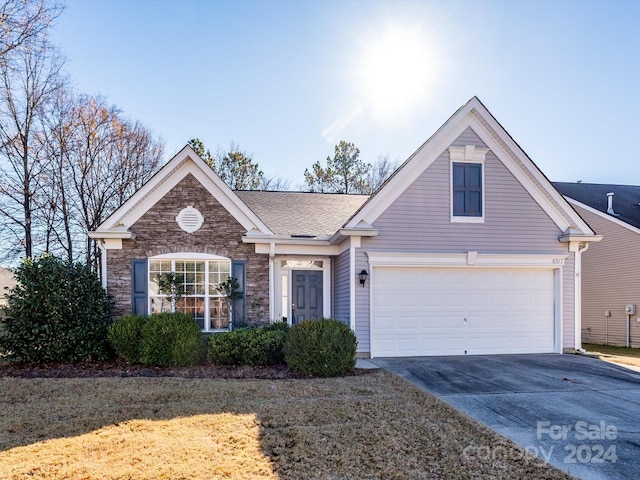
point(171, 340)
point(322, 348)
point(280, 326)
point(203, 153)
point(57, 312)
point(235, 167)
point(249, 346)
point(230, 288)
point(344, 173)
point(125, 336)
point(172, 285)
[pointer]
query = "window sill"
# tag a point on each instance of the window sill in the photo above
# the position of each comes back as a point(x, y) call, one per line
point(466, 220)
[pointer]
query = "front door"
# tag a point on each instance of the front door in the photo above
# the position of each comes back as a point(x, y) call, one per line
point(306, 301)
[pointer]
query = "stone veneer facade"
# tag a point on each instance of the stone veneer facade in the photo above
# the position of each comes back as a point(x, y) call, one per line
point(157, 232)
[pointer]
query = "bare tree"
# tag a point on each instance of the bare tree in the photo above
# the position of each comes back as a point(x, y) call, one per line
point(379, 172)
point(29, 79)
point(110, 159)
point(57, 137)
point(21, 21)
point(274, 184)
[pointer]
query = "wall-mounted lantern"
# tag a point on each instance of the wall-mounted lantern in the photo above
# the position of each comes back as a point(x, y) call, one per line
point(363, 277)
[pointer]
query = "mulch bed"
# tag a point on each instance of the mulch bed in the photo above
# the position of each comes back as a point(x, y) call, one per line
point(118, 369)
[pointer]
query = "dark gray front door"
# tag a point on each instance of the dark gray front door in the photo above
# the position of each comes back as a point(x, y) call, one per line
point(306, 301)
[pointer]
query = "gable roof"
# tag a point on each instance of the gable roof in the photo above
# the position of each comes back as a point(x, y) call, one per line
point(291, 214)
point(626, 199)
point(476, 116)
point(182, 164)
point(300, 214)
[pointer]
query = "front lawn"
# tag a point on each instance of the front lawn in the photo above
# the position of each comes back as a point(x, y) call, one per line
point(623, 355)
point(366, 426)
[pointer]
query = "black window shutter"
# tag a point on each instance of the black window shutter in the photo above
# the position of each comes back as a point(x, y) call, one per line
point(239, 272)
point(139, 286)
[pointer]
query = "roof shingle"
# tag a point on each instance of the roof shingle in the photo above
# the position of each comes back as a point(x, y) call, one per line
point(626, 198)
point(301, 213)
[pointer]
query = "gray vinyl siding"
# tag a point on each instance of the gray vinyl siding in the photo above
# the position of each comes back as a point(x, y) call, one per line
point(341, 288)
point(610, 280)
point(419, 222)
point(468, 137)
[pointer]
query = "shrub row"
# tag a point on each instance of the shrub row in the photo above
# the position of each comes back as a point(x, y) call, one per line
point(163, 340)
point(249, 346)
point(321, 348)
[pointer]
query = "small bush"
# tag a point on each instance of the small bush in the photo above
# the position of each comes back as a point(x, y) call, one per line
point(322, 348)
point(171, 340)
point(249, 346)
point(57, 312)
point(125, 336)
point(277, 327)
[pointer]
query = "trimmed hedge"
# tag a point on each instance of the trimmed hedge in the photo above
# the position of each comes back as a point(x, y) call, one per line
point(57, 312)
point(249, 346)
point(125, 335)
point(322, 348)
point(171, 340)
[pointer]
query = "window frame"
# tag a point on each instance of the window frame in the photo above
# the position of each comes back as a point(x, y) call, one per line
point(470, 155)
point(207, 296)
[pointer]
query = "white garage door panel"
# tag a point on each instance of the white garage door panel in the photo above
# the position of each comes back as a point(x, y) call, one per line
point(447, 311)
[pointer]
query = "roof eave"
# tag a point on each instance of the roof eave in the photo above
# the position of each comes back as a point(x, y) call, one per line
point(285, 240)
point(353, 232)
point(105, 234)
point(580, 237)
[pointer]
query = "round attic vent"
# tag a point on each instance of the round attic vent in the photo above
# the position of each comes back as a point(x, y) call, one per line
point(189, 219)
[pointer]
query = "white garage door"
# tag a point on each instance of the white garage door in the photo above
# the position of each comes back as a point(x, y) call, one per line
point(454, 311)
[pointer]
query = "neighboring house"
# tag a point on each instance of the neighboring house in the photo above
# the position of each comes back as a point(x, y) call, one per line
point(611, 268)
point(6, 282)
point(466, 249)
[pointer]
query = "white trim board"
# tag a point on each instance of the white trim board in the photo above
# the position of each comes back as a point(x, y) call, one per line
point(466, 260)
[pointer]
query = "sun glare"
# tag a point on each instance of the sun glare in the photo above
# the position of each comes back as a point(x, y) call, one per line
point(397, 68)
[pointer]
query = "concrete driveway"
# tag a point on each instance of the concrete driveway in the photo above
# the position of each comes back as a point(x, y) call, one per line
point(580, 413)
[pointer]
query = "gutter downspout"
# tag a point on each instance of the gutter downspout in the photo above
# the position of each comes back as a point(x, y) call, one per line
point(628, 330)
point(352, 286)
point(272, 282)
point(103, 268)
point(580, 247)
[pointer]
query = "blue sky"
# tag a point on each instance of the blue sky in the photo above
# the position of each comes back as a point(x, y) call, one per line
point(288, 80)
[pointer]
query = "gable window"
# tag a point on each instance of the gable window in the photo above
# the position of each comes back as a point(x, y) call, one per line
point(197, 280)
point(467, 184)
point(467, 189)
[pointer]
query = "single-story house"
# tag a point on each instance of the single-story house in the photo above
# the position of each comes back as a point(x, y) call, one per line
point(466, 249)
point(611, 268)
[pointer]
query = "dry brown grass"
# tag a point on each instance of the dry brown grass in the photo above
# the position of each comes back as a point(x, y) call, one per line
point(622, 355)
point(368, 426)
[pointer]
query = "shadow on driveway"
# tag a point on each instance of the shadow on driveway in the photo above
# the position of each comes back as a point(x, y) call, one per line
point(581, 414)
